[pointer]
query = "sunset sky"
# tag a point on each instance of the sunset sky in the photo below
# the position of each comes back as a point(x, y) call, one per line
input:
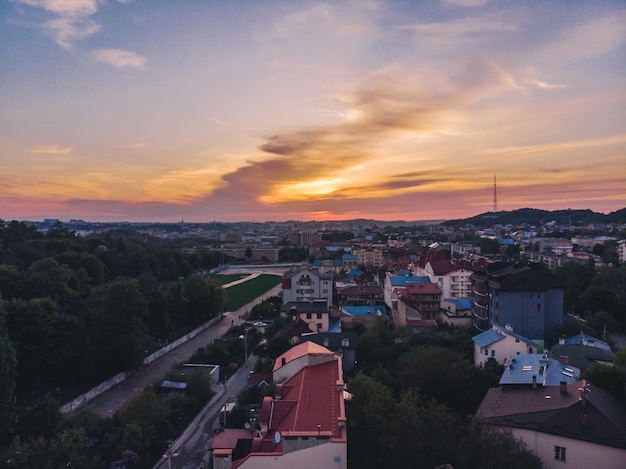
point(261, 110)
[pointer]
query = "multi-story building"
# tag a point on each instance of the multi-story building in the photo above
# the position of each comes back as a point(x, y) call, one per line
point(360, 295)
point(621, 250)
point(528, 299)
point(303, 239)
point(307, 284)
point(303, 425)
point(393, 282)
point(314, 313)
point(451, 276)
point(417, 301)
point(369, 256)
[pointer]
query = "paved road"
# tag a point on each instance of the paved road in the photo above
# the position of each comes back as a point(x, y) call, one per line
point(109, 402)
point(189, 450)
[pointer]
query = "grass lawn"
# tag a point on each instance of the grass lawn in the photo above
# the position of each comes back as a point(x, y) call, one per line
point(244, 293)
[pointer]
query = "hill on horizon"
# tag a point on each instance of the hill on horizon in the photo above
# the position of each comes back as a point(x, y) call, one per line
point(533, 216)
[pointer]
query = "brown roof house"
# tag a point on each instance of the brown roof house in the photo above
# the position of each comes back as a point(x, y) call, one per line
point(575, 425)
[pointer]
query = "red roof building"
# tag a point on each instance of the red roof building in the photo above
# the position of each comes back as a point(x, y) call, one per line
point(303, 425)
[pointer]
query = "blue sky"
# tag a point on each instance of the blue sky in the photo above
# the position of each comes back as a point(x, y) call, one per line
point(297, 110)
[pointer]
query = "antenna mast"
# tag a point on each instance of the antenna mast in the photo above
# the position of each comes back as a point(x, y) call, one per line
point(495, 195)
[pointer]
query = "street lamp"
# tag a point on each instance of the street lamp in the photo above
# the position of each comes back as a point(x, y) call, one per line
point(245, 345)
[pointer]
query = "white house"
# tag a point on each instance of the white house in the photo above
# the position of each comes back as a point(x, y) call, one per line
point(500, 343)
point(307, 284)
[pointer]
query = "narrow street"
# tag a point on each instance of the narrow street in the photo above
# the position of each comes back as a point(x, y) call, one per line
point(109, 402)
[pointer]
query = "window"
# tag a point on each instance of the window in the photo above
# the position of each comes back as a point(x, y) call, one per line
point(486, 352)
point(319, 315)
point(308, 315)
point(326, 342)
point(559, 453)
point(516, 340)
point(493, 353)
point(345, 342)
point(319, 326)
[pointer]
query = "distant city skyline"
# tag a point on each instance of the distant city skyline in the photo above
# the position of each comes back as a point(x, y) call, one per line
point(274, 110)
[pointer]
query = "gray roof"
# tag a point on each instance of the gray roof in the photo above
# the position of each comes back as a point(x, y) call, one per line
point(598, 417)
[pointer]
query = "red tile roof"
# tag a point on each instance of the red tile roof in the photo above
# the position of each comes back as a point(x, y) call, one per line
point(311, 398)
point(229, 438)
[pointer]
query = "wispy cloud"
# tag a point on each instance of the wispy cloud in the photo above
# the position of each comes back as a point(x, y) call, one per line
point(592, 38)
point(390, 105)
point(547, 86)
point(464, 28)
point(118, 58)
point(466, 3)
point(51, 150)
point(72, 19)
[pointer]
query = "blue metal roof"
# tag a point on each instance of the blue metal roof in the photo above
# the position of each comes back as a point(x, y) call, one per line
point(520, 369)
point(588, 341)
point(486, 338)
point(401, 281)
point(460, 303)
point(363, 311)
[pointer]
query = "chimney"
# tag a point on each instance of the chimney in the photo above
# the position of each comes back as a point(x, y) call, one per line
point(563, 387)
point(562, 340)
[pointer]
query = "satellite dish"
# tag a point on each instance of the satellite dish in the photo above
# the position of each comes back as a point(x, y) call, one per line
point(277, 437)
point(247, 425)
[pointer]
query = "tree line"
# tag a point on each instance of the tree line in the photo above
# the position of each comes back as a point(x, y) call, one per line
point(77, 310)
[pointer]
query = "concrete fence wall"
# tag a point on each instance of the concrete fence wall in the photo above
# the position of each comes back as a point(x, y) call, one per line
point(119, 378)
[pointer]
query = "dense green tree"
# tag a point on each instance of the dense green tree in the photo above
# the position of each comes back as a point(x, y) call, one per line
point(45, 342)
point(277, 346)
point(144, 406)
point(598, 298)
point(371, 436)
point(204, 299)
point(487, 446)
point(199, 386)
point(438, 373)
point(41, 419)
point(9, 279)
point(8, 365)
point(610, 378)
point(576, 278)
point(375, 347)
point(619, 359)
point(426, 432)
point(46, 278)
point(601, 322)
point(119, 314)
